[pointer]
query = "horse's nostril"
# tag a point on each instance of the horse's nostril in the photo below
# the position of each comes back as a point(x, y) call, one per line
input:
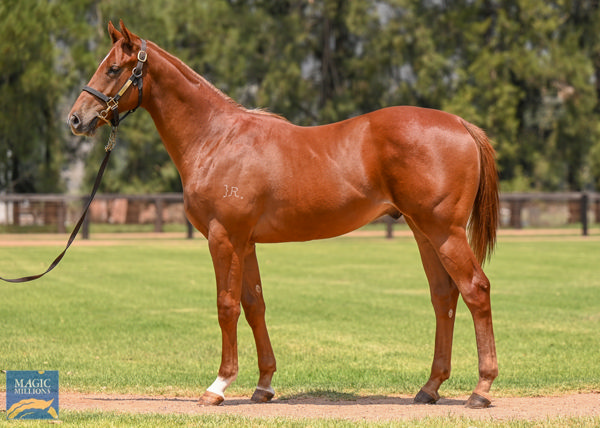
point(74, 121)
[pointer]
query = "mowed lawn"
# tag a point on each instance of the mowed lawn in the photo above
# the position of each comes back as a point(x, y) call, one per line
point(347, 316)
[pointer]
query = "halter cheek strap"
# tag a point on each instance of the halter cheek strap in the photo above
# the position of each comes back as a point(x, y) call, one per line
point(112, 103)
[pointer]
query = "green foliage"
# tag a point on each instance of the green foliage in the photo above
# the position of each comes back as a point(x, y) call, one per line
point(528, 71)
point(37, 73)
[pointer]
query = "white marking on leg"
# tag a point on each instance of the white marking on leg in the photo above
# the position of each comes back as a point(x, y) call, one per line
point(220, 385)
point(450, 313)
point(269, 389)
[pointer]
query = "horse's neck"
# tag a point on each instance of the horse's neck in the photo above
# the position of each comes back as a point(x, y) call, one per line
point(184, 106)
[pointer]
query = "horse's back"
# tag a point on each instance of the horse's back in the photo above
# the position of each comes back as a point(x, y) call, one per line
point(331, 179)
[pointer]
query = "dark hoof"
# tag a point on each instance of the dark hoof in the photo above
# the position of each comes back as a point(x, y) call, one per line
point(262, 396)
point(425, 398)
point(210, 399)
point(477, 401)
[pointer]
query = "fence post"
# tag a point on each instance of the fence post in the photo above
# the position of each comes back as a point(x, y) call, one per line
point(61, 216)
point(515, 214)
point(158, 221)
point(389, 227)
point(17, 213)
point(584, 213)
point(190, 229)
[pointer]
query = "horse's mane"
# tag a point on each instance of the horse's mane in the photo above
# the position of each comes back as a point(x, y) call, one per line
point(190, 74)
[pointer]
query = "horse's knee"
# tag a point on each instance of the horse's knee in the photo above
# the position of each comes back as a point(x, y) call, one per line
point(228, 308)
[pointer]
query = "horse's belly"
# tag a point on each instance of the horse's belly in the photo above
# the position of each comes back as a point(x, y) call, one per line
point(320, 222)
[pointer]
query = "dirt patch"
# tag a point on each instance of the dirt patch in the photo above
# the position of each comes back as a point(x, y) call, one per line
point(375, 408)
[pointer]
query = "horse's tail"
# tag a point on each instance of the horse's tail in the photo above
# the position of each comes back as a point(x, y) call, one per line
point(484, 216)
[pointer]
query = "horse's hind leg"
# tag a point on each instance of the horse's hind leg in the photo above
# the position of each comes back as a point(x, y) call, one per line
point(254, 309)
point(456, 256)
point(444, 296)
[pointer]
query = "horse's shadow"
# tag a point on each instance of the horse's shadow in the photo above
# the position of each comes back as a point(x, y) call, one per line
point(329, 397)
point(313, 397)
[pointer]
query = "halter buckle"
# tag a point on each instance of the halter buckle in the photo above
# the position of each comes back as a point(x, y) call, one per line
point(142, 56)
point(112, 104)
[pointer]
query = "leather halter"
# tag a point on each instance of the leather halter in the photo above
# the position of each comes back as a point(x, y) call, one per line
point(112, 103)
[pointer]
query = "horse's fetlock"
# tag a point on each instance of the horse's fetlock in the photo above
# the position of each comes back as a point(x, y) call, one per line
point(445, 375)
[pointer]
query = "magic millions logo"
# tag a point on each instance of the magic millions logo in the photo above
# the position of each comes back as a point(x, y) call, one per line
point(32, 395)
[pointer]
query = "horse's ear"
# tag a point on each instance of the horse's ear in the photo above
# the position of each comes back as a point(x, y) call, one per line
point(114, 33)
point(127, 35)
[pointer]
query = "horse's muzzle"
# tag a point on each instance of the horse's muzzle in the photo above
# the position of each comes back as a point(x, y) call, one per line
point(79, 126)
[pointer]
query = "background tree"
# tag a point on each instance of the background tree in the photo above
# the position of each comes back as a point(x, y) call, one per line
point(39, 60)
point(528, 71)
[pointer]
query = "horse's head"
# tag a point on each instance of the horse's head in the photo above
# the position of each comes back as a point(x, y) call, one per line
point(110, 90)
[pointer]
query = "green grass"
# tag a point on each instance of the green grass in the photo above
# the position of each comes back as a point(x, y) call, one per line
point(116, 420)
point(349, 316)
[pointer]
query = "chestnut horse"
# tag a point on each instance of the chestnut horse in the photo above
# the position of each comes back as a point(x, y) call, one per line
point(253, 177)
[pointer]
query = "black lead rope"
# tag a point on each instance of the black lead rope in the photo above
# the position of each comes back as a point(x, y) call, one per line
point(75, 230)
point(112, 105)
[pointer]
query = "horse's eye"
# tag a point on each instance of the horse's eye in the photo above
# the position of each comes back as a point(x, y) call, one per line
point(114, 70)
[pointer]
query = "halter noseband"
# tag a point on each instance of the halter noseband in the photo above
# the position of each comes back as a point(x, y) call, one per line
point(112, 103)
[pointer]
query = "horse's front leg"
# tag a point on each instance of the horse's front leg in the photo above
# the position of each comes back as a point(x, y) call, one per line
point(254, 309)
point(228, 261)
